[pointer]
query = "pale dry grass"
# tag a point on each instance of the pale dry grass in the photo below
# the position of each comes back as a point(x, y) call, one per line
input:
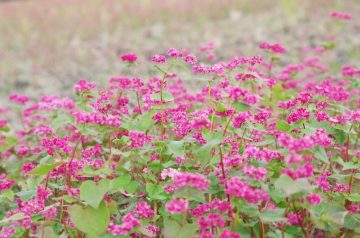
point(48, 45)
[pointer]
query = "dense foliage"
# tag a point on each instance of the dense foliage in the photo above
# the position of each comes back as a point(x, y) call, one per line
point(256, 152)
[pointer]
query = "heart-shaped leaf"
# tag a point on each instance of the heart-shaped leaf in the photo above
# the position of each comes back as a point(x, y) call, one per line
point(89, 220)
point(93, 193)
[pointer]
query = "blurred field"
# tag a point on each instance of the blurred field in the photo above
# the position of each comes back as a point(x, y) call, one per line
point(47, 45)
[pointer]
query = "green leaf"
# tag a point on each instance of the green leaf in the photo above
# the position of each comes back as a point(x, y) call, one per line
point(93, 193)
point(177, 148)
point(204, 152)
point(26, 194)
point(351, 222)
point(19, 232)
point(60, 121)
point(350, 165)
point(10, 141)
point(282, 126)
point(48, 232)
point(166, 96)
point(155, 191)
point(190, 193)
point(240, 107)
point(354, 197)
point(334, 215)
point(44, 169)
point(290, 186)
point(329, 45)
point(132, 186)
point(5, 128)
point(270, 216)
point(172, 229)
point(15, 217)
point(339, 136)
point(89, 220)
point(9, 194)
point(320, 153)
point(220, 107)
point(120, 183)
point(143, 123)
point(66, 198)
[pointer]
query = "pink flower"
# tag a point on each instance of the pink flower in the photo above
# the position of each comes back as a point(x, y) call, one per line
point(300, 172)
point(42, 193)
point(240, 189)
point(211, 220)
point(241, 118)
point(177, 205)
point(18, 99)
point(138, 139)
point(199, 138)
point(294, 219)
point(314, 199)
point(256, 173)
point(152, 229)
point(144, 210)
point(83, 86)
point(174, 53)
point(129, 57)
point(340, 15)
point(129, 222)
point(208, 46)
point(184, 179)
point(3, 122)
point(169, 172)
point(275, 48)
point(349, 71)
point(158, 59)
point(229, 234)
point(262, 117)
point(97, 118)
point(298, 114)
point(4, 183)
point(28, 167)
point(191, 59)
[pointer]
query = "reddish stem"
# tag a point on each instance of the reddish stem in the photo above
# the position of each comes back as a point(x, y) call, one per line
point(224, 177)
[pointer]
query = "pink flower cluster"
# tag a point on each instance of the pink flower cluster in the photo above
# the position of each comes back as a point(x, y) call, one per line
point(159, 59)
point(237, 188)
point(131, 220)
point(294, 218)
point(349, 71)
point(314, 199)
point(217, 205)
point(5, 183)
point(256, 173)
point(340, 15)
point(18, 99)
point(138, 139)
point(295, 116)
point(186, 179)
point(241, 118)
point(3, 123)
point(320, 137)
point(129, 57)
point(274, 48)
point(261, 154)
point(84, 86)
point(177, 205)
point(52, 144)
point(97, 118)
point(300, 172)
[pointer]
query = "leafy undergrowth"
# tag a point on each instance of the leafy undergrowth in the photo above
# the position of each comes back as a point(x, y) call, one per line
point(253, 153)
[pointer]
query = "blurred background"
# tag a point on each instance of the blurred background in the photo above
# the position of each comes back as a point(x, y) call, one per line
point(48, 45)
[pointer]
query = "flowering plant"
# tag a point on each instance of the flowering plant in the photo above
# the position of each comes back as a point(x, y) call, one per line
point(254, 153)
